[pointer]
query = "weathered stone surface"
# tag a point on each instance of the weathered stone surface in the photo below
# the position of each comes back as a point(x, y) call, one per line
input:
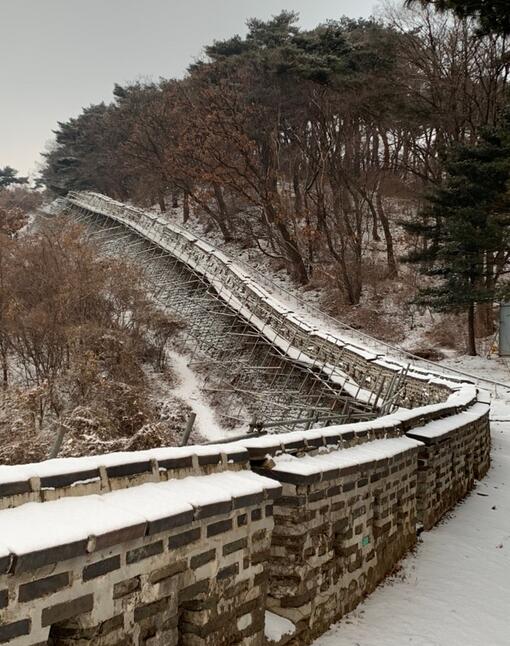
point(43, 587)
point(15, 629)
point(144, 552)
point(95, 570)
point(126, 587)
point(67, 610)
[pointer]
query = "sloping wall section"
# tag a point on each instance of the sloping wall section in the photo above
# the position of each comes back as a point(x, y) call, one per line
point(206, 544)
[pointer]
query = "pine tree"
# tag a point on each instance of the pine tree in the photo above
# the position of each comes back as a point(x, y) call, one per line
point(466, 228)
point(9, 177)
point(493, 16)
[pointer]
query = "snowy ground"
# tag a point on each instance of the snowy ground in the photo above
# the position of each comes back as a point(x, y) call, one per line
point(455, 589)
point(188, 389)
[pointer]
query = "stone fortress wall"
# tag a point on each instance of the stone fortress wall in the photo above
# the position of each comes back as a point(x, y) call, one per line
point(214, 544)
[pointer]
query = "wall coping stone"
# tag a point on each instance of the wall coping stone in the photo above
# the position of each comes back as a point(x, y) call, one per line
point(70, 527)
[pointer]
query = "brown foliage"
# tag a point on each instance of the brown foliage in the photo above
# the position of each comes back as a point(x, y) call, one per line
point(76, 329)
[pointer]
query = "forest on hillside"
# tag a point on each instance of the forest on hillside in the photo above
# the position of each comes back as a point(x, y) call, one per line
point(321, 148)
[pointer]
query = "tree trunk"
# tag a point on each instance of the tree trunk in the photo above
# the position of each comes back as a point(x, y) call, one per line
point(223, 219)
point(390, 254)
point(298, 268)
point(484, 320)
point(161, 202)
point(185, 207)
point(471, 331)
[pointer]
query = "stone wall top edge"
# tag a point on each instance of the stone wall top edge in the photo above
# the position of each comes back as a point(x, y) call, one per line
point(62, 472)
point(67, 528)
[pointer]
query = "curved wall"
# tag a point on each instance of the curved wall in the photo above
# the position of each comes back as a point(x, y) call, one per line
point(302, 524)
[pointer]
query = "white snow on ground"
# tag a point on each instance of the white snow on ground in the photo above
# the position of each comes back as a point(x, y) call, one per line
point(455, 589)
point(189, 390)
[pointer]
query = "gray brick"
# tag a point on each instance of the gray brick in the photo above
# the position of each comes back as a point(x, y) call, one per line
point(144, 552)
point(67, 610)
point(235, 546)
point(201, 559)
point(184, 539)
point(219, 527)
point(101, 568)
point(4, 598)
point(43, 587)
point(16, 629)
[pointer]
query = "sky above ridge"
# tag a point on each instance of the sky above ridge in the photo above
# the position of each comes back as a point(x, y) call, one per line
point(61, 55)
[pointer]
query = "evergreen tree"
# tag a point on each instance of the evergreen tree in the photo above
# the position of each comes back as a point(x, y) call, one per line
point(9, 177)
point(493, 16)
point(466, 228)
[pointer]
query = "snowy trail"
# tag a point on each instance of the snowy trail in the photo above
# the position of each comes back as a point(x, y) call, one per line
point(188, 389)
point(455, 590)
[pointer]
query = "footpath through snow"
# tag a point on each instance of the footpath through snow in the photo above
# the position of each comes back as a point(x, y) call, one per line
point(188, 389)
point(454, 590)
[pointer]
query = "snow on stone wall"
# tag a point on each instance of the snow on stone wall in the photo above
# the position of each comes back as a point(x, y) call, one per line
point(200, 545)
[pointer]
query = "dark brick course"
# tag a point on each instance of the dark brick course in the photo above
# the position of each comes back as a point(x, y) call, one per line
point(184, 539)
point(67, 610)
point(42, 587)
point(16, 629)
point(219, 527)
point(144, 552)
point(100, 568)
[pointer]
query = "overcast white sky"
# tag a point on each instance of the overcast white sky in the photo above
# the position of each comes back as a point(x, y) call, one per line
point(57, 56)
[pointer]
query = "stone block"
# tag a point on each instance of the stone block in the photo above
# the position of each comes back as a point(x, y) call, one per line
point(95, 570)
point(42, 587)
point(144, 552)
point(185, 538)
point(15, 629)
point(67, 610)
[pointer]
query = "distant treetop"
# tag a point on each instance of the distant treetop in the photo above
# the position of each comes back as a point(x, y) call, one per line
point(9, 177)
point(493, 15)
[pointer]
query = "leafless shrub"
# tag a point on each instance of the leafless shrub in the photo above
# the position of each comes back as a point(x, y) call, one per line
point(75, 332)
point(448, 332)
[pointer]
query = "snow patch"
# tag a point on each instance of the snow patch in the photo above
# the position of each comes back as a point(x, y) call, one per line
point(277, 627)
